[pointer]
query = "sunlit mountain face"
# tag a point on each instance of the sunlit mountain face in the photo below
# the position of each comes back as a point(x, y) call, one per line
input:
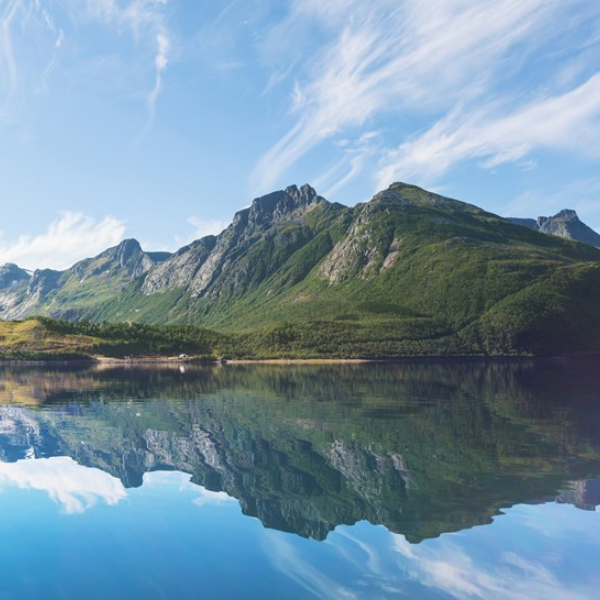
point(436, 480)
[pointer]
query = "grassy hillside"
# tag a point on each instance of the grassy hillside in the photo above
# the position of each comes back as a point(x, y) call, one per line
point(41, 338)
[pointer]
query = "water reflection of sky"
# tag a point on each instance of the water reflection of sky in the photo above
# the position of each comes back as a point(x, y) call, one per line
point(74, 487)
point(67, 531)
point(531, 552)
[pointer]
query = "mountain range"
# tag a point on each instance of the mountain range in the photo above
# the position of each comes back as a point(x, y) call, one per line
point(408, 273)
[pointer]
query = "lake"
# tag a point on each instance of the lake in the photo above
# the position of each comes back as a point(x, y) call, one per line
point(376, 481)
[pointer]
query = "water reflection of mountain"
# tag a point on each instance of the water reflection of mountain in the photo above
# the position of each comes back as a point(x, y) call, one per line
point(420, 448)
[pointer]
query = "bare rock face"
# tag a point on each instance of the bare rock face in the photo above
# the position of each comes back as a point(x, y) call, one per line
point(564, 224)
point(179, 270)
point(230, 263)
point(14, 282)
point(11, 276)
point(128, 259)
point(583, 494)
point(354, 255)
point(372, 243)
point(225, 263)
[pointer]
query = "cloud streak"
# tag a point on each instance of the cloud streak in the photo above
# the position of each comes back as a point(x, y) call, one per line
point(7, 58)
point(413, 59)
point(144, 18)
point(70, 238)
point(569, 121)
point(31, 39)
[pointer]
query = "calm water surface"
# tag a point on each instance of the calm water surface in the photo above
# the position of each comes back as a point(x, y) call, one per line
point(459, 480)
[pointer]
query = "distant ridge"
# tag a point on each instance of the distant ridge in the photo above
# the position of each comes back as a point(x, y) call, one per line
point(564, 224)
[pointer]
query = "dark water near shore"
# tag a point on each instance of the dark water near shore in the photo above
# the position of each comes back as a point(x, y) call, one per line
point(455, 480)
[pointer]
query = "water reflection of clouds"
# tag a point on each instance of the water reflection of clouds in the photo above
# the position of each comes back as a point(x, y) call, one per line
point(203, 497)
point(462, 574)
point(516, 561)
point(286, 558)
point(75, 487)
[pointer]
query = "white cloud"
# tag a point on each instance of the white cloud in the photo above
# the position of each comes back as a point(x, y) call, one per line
point(74, 487)
point(406, 57)
point(570, 121)
point(161, 61)
point(183, 482)
point(204, 227)
point(208, 498)
point(30, 42)
point(70, 238)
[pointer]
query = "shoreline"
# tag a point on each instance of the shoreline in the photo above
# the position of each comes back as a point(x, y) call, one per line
point(163, 361)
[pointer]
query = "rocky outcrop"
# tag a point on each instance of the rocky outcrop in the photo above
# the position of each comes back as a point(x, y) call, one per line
point(564, 224)
point(584, 494)
point(11, 276)
point(373, 242)
point(179, 270)
point(13, 290)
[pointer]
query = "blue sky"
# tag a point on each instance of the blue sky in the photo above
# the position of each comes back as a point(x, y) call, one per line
point(159, 119)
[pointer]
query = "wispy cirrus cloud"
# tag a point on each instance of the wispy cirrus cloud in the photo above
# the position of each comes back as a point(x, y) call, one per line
point(7, 59)
point(145, 19)
point(33, 34)
point(356, 154)
point(570, 121)
point(30, 42)
point(70, 238)
point(414, 59)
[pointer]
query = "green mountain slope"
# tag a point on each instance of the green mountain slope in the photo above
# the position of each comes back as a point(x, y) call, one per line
point(409, 273)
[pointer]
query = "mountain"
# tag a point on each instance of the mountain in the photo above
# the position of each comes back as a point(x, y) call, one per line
point(409, 273)
point(85, 284)
point(565, 224)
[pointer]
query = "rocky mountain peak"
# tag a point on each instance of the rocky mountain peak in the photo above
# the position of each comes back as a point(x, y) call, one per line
point(283, 205)
point(565, 215)
point(11, 274)
point(408, 194)
point(305, 195)
point(125, 250)
point(564, 223)
point(291, 198)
